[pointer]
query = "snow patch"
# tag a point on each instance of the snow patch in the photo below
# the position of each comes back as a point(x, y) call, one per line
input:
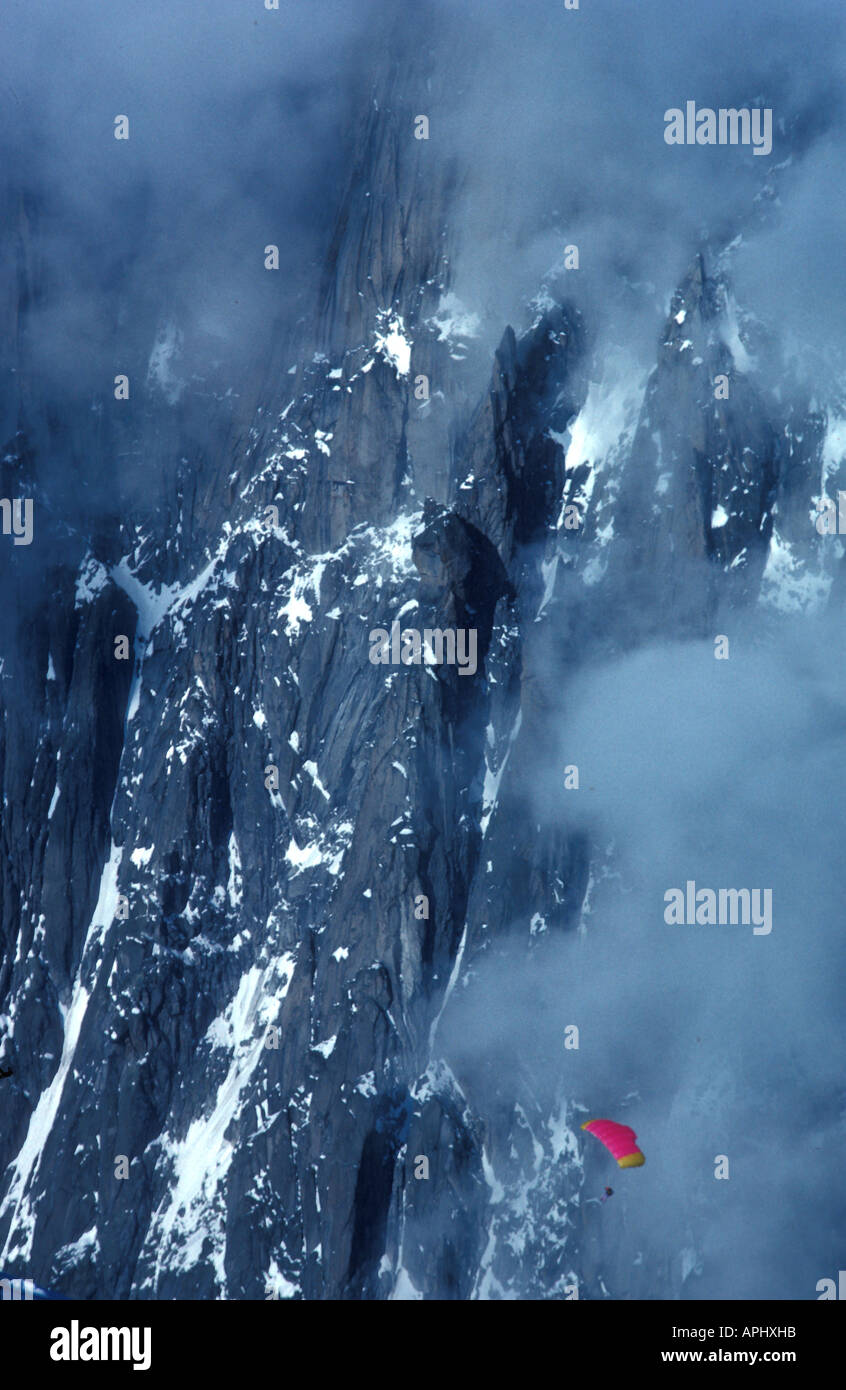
point(193, 1213)
point(24, 1168)
point(787, 584)
point(730, 332)
point(392, 344)
point(405, 1290)
point(91, 580)
point(235, 886)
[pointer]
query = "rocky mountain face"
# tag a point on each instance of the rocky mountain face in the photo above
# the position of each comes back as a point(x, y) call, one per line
point(245, 870)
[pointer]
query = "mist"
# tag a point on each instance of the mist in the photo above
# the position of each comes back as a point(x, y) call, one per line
point(237, 139)
point(708, 1039)
point(240, 128)
point(557, 118)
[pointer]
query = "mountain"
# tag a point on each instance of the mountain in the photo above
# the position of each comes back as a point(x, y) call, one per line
point(287, 934)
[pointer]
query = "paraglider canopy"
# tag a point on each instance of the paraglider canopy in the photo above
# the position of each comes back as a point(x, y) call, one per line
point(619, 1140)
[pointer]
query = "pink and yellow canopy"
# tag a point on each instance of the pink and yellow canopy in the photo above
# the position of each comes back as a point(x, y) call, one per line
point(619, 1139)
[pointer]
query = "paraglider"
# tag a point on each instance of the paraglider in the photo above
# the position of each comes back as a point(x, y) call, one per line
point(609, 1192)
point(619, 1140)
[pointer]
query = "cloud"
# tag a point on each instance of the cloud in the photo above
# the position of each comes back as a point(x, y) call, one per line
point(557, 118)
point(237, 139)
point(709, 1040)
